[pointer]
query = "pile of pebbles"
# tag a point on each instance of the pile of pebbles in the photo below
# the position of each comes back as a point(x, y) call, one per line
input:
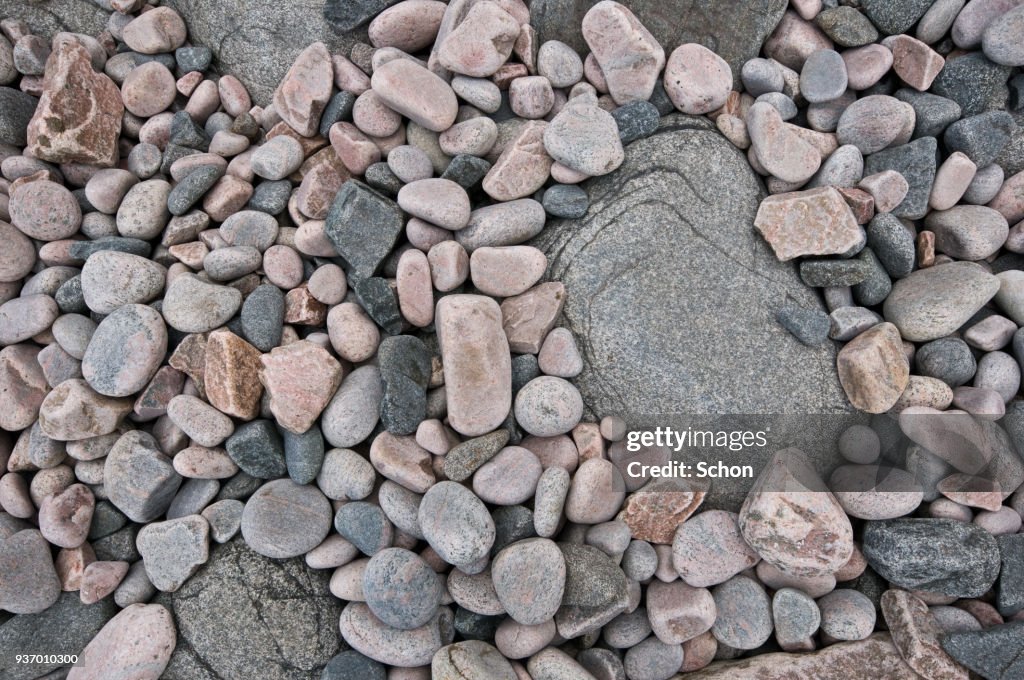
point(316, 324)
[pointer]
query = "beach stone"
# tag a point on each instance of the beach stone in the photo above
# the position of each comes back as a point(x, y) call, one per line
point(256, 447)
point(22, 387)
point(972, 81)
point(192, 305)
point(404, 649)
point(363, 225)
point(352, 664)
point(697, 80)
point(201, 422)
point(999, 42)
point(913, 61)
point(952, 180)
point(272, 515)
point(827, 228)
point(468, 327)
point(916, 162)
point(18, 109)
point(305, 89)
point(912, 554)
point(229, 368)
point(30, 583)
point(44, 210)
point(262, 317)
point(916, 635)
point(137, 643)
point(547, 406)
point(823, 76)
point(78, 115)
point(874, 122)
point(846, 26)
point(73, 411)
point(932, 303)
point(173, 550)
point(470, 659)
point(162, 30)
point(968, 232)
point(847, 614)
point(300, 380)
point(523, 166)
point(353, 411)
point(64, 517)
point(894, 17)
point(401, 589)
point(125, 351)
point(873, 368)
point(529, 577)
point(630, 57)
point(456, 523)
point(796, 618)
point(279, 611)
point(418, 94)
point(994, 652)
point(781, 152)
point(585, 138)
point(111, 279)
point(141, 497)
point(708, 549)
point(480, 43)
point(783, 532)
point(743, 611)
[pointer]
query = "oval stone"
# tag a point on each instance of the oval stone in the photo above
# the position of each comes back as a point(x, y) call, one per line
point(284, 519)
point(529, 578)
point(125, 351)
point(456, 523)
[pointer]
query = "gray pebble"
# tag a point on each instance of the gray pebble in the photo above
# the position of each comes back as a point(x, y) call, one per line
point(986, 184)
point(185, 132)
point(466, 171)
point(365, 526)
point(948, 359)
point(781, 103)
point(744, 613)
point(833, 273)
point(135, 588)
point(876, 287)
point(847, 26)
point(270, 197)
point(173, 550)
point(193, 496)
point(303, 454)
point(456, 523)
point(980, 137)
point(401, 589)
point(338, 109)
point(636, 120)
point(972, 81)
point(823, 77)
point(1000, 372)
point(257, 449)
point(566, 200)
point(760, 76)
point(351, 664)
point(263, 317)
point(283, 519)
point(892, 244)
point(225, 519)
point(809, 326)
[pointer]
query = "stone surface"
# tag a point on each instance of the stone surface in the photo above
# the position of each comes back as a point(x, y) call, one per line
point(173, 550)
point(278, 614)
point(627, 281)
point(933, 302)
point(137, 643)
point(873, 368)
point(271, 517)
point(916, 636)
point(138, 478)
point(995, 653)
point(30, 584)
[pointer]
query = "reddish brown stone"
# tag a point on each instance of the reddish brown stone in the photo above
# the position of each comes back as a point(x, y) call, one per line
point(925, 249)
point(78, 118)
point(873, 368)
point(302, 308)
point(190, 358)
point(812, 222)
point(322, 176)
point(300, 379)
point(230, 373)
point(655, 512)
point(913, 61)
point(861, 203)
point(70, 565)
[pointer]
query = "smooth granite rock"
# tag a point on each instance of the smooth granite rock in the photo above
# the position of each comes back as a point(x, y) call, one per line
point(673, 224)
point(245, 615)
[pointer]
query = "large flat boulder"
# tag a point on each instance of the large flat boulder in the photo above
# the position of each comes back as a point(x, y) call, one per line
point(673, 297)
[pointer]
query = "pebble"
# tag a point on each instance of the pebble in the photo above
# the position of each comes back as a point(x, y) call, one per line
point(365, 526)
point(300, 379)
point(952, 180)
point(999, 40)
point(744, 619)
point(481, 42)
point(148, 89)
point(629, 56)
point(64, 517)
point(780, 151)
point(932, 303)
point(353, 411)
point(846, 26)
point(456, 523)
point(304, 91)
point(948, 359)
point(509, 478)
point(873, 369)
point(141, 497)
point(596, 493)
point(796, 618)
point(527, 318)
point(470, 659)
point(100, 579)
point(345, 475)
point(173, 550)
point(195, 306)
point(284, 519)
point(847, 614)
point(635, 120)
point(874, 122)
point(529, 578)
point(679, 612)
point(522, 168)
point(25, 317)
point(584, 138)
point(277, 158)
point(469, 331)
point(548, 406)
point(370, 636)
point(915, 554)
point(73, 411)
point(760, 76)
point(913, 61)
point(401, 589)
point(44, 210)
point(201, 422)
point(697, 80)
point(530, 97)
point(111, 279)
point(916, 635)
point(160, 30)
point(708, 549)
point(652, 659)
point(140, 637)
point(409, 26)
point(823, 76)
point(354, 209)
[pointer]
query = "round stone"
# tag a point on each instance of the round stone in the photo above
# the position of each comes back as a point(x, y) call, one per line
point(823, 77)
point(148, 89)
point(697, 80)
point(125, 351)
point(653, 659)
point(469, 660)
point(509, 478)
point(192, 305)
point(401, 589)
point(744, 613)
point(529, 579)
point(44, 210)
point(18, 255)
point(111, 279)
point(284, 519)
point(548, 406)
point(456, 523)
point(847, 614)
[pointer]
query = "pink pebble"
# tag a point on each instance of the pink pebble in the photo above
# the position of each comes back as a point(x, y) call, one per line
point(415, 292)
point(449, 265)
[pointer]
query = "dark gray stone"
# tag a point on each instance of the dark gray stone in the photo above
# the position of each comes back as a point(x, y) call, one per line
point(351, 664)
point(363, 225)
point(54, 16)
point(943, 556)
point(972, 81)
point(809, 326)
point(378, 299)
point(401, 589)
point(303, 454)
point(473, 626)
point(892, 244)
point(828, 273)
point(69, 296)
point(916, 162)
point(118, 546)
point(382, 178)
point(948, 359)
point(466, 171)
point(174, 152)
point(65, 628)
point(257, 449)
point(193, 58)
point(245, 615)
point(511, 523)
point(1016, 86)
point(263, 317)
point(465, 458)
point(16, 109)
point(239, 487)
point(592, 578)
point(933, 113)
point(665, 249)
point(192, 188)
point(1011, 158)
point(602, 663)
point(345, 15)
point(337, 110)
point(846, 26)
point(996, 653)
point(980, 137)
point(185, 132)
point(83, 250)
point(736, 35)
point(1011, 576)
point(193, 496)
point(106, 519)
point(566, 200)
point(636, 120)
point(895, 16)
point(365, 526)
point(405, 368)
point(781, 103)
point(271, 197)
point(524, 369)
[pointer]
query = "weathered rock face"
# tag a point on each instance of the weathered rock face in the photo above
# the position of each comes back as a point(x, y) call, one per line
point(244, 615)
point(673, 295)
point(735, 35)
point(54, 16)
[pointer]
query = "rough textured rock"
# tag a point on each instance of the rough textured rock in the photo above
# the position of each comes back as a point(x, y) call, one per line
point(657, 238)
point(736, 35)
point(244, 615)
